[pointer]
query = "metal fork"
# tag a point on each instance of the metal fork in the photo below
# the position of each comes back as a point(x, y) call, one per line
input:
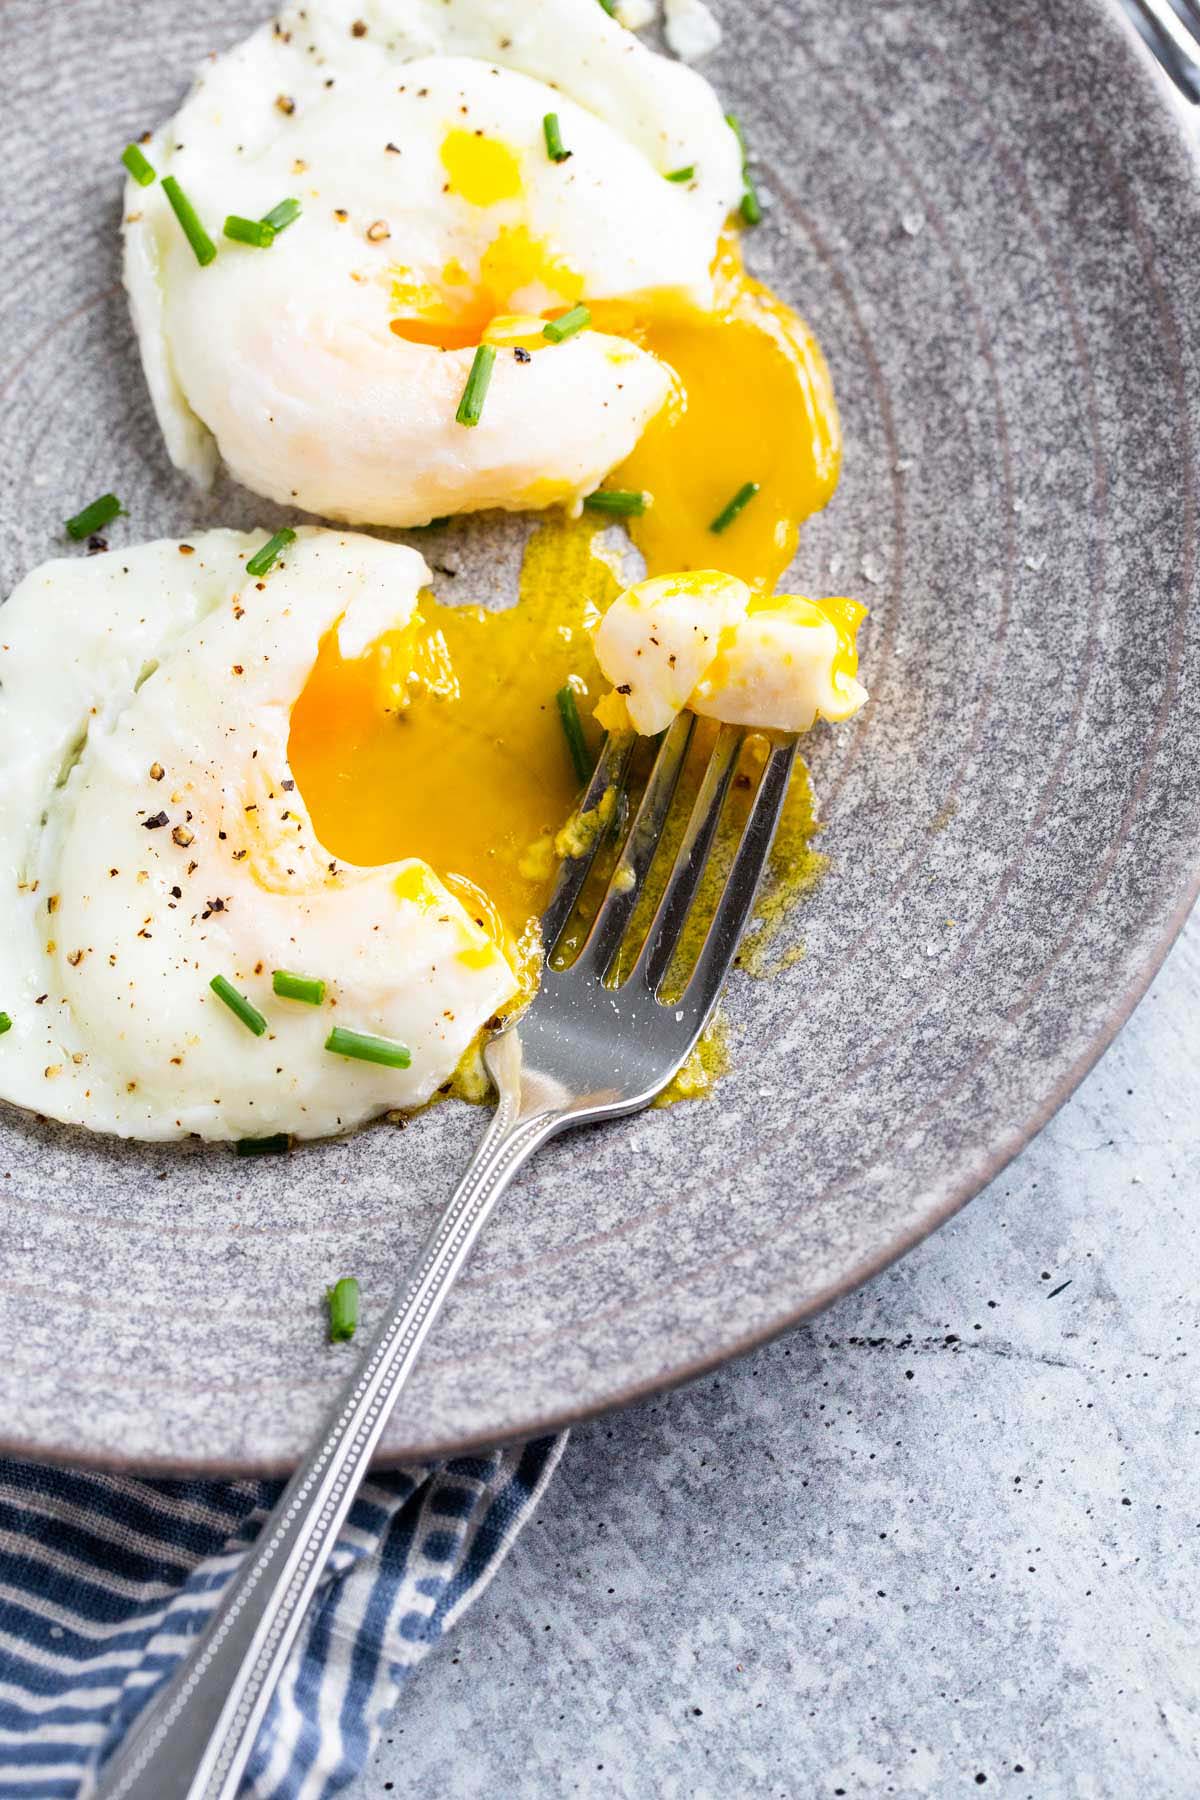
point(583, 1050)
point(1171, 29)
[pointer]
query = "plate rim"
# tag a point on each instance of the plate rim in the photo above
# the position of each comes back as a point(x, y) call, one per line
point(1177, 121)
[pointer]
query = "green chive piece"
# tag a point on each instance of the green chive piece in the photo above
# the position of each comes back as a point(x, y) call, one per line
point(249, 231)
point(342, 1300)
point(566, 326)
point(626, 503)
point(5, 1024)
point(264, 559)
point(470, 407)
point(283, 215)
point(189, 219)
point(142, 171)
point(750, 207)
point(610, 7)
point(364, 1048)
point(556, 150)
point(572, 726)
point(732, 508)
point(683, 174)
point(298, 987)
point(276, 1145)
point(95, 517)
point(238, 1004)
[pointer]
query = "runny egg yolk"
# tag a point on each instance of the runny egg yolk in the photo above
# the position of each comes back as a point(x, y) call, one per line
point(444, 741)
point(455, 313)
point(753, 402)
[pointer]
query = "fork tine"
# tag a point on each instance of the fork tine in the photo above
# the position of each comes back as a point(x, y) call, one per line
point(741, 884)
point(617, 906)
point(654, 958)
point(610, 771)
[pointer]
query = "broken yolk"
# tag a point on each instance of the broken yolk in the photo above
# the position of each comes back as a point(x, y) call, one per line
point(444, 741)
point(753, 401)
point(456, 315)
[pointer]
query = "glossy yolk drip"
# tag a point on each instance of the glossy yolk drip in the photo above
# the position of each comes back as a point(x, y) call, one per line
point(753, 401)
point(444, 741)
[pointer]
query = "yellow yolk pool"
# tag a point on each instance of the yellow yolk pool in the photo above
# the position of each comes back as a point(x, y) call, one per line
point(753, 402)
point(444, 741)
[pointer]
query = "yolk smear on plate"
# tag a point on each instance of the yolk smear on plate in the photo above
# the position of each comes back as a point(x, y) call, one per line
point(444, 741)
point(708, 1059)
point(753, 401)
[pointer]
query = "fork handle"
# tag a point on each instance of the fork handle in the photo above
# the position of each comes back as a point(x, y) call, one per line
point(193, 1742)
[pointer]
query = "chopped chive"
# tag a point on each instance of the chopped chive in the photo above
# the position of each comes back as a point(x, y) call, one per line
point(364, 1048)
point(5, 1024)
point(568, 712)
point(567, 325)
point(95, 517)
point(682, 174)
point(237, 1003)
point(142, 171)
point(610, 7)
point(189, 219)
point(625, 502)
point(750, 206)
point(342, 1300)
point(298, 987)
point(281, 216)
point(264, 1146)
point(732, 508)
point(470, 407)
point(264, 559)
point(556, 150)
point(249, 231)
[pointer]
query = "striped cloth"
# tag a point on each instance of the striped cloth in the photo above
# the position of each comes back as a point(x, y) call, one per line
point(106, 1579)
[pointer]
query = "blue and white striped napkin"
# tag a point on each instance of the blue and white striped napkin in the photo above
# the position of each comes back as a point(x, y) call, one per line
point(105, 1581)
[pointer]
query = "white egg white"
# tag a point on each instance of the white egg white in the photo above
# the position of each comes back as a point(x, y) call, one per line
point(703, 641)
point(159, 681)
point(283, 360)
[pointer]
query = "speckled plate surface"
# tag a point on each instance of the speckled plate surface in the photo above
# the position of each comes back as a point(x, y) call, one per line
point(994, 225)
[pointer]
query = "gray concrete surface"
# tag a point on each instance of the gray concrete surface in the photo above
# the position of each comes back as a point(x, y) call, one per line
point(945, 1540)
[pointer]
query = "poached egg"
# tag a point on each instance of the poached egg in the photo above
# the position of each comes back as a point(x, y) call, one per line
point(153, 837)
point(327, 368)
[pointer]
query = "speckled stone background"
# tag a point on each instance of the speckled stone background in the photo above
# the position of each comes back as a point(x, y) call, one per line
point(950, 1530)
point(994, 232)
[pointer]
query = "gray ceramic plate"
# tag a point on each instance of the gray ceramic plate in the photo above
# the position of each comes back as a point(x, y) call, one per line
point(994, 225)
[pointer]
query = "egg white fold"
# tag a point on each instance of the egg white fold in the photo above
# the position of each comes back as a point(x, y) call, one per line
point(159, 681)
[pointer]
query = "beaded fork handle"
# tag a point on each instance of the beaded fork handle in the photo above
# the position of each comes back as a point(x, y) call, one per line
point(194, 1740)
